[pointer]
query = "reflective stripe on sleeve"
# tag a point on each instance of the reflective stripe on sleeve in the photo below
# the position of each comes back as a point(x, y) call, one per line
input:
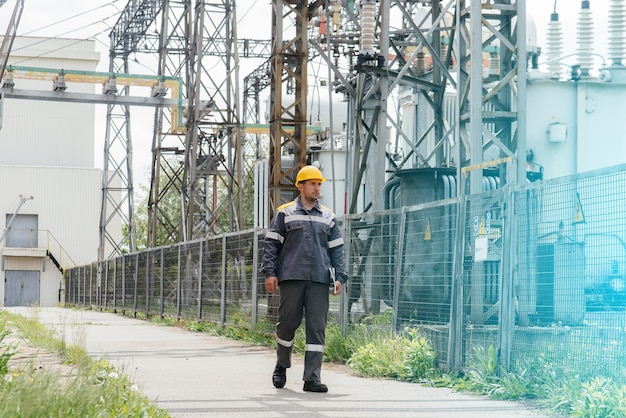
point(335, 243)
point(314, 347)
point(275, 236)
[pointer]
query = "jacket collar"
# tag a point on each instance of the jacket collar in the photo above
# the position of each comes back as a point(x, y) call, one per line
point(299, 205)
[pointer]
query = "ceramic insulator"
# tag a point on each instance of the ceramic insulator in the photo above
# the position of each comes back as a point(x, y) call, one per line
point(368, 26)
point(554, 46)
point(617, 31)
point(584, 38)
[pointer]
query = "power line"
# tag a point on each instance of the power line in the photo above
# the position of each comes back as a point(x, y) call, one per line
point(75, 16)
point(246, 12)
point(94, 37)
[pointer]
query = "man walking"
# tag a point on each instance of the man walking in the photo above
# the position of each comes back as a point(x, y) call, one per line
point(303, 255)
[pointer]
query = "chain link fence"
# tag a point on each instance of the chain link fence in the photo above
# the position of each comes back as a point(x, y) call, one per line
point(537, 272)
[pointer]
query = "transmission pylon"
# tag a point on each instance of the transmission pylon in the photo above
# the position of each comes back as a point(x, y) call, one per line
point(196, 149)
point(288, 109)
point(117, 210)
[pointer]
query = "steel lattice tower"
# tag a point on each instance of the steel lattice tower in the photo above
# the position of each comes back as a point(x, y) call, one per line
point(197, 147)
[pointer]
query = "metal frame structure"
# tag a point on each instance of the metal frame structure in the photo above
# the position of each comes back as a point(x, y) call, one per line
point(196, 149)
point(487, 115)
point(195, 37)
point(288, 107)
point(429, 52)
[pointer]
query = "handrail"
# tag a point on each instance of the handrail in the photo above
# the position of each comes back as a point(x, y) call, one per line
point(49, 236)
point(50, 242)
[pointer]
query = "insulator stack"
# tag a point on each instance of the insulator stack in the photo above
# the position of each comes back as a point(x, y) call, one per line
point(617, 31)
point(368, 27)
point(554, 46)
point(584, 39)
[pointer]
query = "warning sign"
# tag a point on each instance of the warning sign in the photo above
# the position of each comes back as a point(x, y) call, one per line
point(481, 228)
point(427, 236)
point(579, 215)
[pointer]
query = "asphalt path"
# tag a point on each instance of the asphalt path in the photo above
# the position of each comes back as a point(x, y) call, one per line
point(194, 375)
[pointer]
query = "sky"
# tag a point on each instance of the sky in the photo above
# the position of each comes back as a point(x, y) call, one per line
point(93, 20)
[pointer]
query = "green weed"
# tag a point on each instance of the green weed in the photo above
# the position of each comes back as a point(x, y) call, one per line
point(406, 356)
point(6, 350)
point(93, 389)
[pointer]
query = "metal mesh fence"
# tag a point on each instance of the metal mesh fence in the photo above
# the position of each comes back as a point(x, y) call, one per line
point(371, 244)
point(481, 267)
point(424, 271)
point(572, 262)
point(535, 271)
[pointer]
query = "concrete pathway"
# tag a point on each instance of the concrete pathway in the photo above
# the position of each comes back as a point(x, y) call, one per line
point(195, 375)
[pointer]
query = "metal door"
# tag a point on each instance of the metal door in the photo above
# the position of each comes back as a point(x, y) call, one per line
point(21, 288)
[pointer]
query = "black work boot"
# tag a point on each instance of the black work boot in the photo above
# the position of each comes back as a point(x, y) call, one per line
point(312, 386)
point(279, 377)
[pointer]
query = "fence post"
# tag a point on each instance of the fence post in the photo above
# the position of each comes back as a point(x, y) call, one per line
point(162, 283)
point(82, 287)
point(178, 283)
point(91, 285)
point(398, 269)
point(115, 285)
point(148, 268)
point(223, 301)
point(255, 264)
point(123, 285)
point(343, 297)
point(455, 340)
point(135, 279)
point(99, 265)
point(200, 283)
point(507, 275)
point(106, 285)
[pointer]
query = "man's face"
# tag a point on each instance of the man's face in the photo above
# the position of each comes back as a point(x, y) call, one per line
point(310, 189)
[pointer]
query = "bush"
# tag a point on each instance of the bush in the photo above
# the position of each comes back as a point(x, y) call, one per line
point(407, 357)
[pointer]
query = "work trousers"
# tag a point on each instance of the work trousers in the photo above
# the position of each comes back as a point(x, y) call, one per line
point(298, 297)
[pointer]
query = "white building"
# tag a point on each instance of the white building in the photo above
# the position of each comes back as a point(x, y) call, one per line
point(50, 190)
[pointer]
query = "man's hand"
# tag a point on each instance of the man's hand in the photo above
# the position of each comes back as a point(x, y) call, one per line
point(271, 284)
point(336, 290)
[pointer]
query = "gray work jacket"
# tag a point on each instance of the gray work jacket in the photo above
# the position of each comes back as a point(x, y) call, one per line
point(303, 245)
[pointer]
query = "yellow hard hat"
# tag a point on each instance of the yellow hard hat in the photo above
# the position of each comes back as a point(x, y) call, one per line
point(309, 172)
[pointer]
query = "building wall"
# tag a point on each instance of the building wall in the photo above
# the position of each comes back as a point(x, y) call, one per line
point(47, 153)
point(67, 204)
point(48, 133)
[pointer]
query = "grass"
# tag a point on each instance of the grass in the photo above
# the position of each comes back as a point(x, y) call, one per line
point(93, 389)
